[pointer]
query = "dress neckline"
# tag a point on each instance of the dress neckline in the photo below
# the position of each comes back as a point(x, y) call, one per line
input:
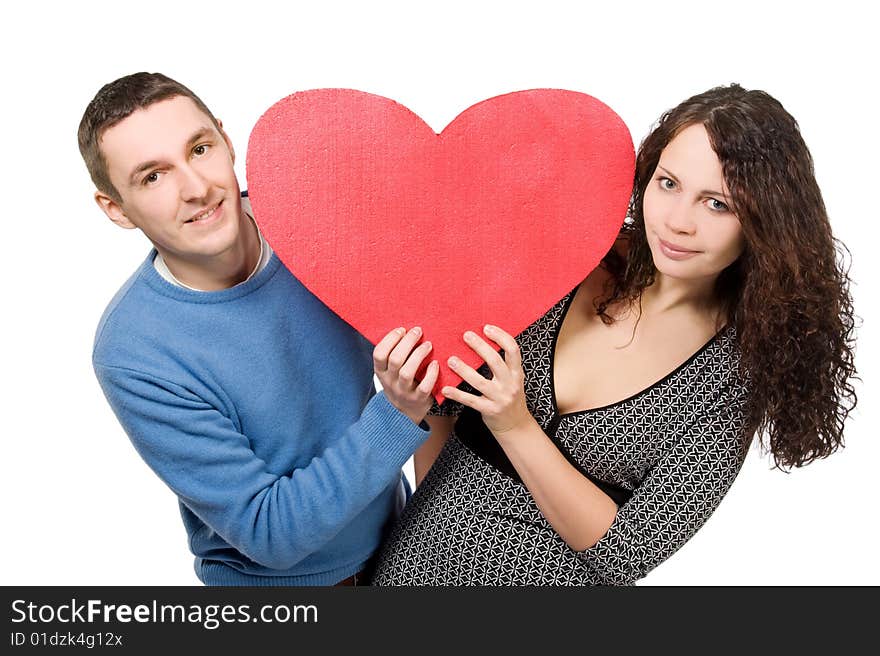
point(552, 386)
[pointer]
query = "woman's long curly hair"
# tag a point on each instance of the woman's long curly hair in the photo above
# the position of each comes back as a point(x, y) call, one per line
point(787, 294)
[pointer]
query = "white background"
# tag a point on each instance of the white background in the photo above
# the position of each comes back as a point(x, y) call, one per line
point(80, 507)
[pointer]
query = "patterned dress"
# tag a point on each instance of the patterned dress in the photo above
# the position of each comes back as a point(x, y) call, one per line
point(667, 456)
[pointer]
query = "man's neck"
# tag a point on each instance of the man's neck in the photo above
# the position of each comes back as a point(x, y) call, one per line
point(223, 270)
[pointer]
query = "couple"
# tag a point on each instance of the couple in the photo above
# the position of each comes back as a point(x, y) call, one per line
point(589, 451)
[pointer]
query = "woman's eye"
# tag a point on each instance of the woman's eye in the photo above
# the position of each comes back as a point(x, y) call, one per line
point(717, 205)
point(666, 183)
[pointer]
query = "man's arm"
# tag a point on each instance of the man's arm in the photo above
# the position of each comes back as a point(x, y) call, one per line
point(274, 519)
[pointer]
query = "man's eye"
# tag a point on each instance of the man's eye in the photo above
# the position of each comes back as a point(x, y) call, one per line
point(201, 149)
point(150, 178)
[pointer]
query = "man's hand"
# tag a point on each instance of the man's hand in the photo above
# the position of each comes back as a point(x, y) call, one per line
point(396, 361)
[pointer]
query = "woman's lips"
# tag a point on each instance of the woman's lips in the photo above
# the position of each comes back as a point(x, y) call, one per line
point(675, 252)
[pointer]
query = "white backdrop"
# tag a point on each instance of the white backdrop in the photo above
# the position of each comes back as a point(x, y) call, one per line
point(80, 507)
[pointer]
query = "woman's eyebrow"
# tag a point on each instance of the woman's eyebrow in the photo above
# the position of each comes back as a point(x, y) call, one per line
point(704, 192)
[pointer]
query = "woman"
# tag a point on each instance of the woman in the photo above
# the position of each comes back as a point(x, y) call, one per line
point(611, 428)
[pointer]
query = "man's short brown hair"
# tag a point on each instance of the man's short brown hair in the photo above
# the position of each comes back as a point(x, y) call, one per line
point(113, 103)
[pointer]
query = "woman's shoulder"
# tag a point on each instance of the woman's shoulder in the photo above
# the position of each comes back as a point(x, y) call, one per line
point(610, 266)
point(613, 261)
point(621, 245)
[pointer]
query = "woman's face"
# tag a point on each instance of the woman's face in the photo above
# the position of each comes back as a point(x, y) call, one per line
point(692, 233)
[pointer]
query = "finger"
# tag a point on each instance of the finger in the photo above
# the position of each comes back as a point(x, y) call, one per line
point(430, 379)
point(490, 355)
point(401, 352)
point(383, 348)
point(506, 341)
point(414, 361)
point(470, 400)
point(469, 375)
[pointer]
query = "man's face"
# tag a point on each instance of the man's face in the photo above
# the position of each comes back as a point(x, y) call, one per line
point(173, 170)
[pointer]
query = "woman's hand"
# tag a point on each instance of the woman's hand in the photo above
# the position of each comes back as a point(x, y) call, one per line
point(575, 507)
point(396, 361)
point(503, 404)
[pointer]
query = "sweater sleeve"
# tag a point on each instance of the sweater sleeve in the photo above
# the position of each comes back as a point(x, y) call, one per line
point(674, 500)
point(275, 520)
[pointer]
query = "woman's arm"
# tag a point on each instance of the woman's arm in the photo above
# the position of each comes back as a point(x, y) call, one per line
point(680, 492)
point(676, 498)
point(441, 429)
point(578, 510)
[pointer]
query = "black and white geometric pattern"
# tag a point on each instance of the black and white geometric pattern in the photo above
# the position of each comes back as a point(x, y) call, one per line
point(673, 449)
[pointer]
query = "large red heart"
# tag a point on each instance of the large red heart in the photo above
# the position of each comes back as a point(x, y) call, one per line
point(390, 224)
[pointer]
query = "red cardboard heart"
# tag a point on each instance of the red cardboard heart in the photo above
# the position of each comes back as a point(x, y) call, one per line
point(390, 224)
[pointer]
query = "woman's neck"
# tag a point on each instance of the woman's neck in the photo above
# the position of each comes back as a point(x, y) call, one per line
point(668, 294)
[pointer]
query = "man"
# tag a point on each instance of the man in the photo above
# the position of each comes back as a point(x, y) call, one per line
point(239, 388)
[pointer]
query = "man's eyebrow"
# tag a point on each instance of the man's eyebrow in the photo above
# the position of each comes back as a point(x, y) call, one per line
point(197, 136)
point(141, 168)
point(704, 192)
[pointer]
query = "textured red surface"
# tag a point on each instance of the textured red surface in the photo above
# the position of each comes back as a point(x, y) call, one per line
point(390, 224)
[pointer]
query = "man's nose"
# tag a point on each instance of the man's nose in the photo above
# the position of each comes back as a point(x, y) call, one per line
point(194, 185)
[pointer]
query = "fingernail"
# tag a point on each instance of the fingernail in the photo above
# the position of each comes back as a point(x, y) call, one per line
point(488, 328)
point(445, 391)
point(469, 335)
point(400, 330)
point(417, 331)
point(453, 361)
point(427, 346)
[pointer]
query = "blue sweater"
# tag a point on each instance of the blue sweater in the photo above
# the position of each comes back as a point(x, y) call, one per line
point(256, 405)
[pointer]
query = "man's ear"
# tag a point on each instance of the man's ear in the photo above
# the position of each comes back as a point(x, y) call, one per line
point(226, 139)
point(113, 210)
